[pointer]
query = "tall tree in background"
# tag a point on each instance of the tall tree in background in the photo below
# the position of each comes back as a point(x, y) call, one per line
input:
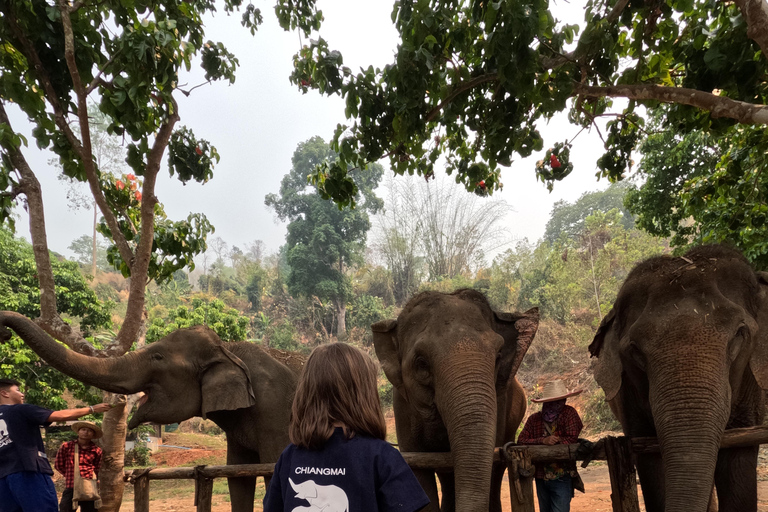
point(568, 218)
point(472, 79)
point(324, 241)
point(128, 56)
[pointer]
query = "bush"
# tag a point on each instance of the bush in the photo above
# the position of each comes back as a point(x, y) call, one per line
point(386, 393)
point(282, 335)
point(139, 455)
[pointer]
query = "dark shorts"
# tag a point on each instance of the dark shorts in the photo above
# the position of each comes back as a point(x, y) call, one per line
point(27, 491)
point(66, 502)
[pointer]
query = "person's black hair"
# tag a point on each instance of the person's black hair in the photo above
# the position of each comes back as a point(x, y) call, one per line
point(6, 384)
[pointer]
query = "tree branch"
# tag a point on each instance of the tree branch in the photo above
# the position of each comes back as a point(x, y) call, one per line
point(461, 88)
point(578, 53)
point(49, 319)
point(718, 106)
point(28, 49)
point(86, 155)
point(140, 265)
point(755, 13)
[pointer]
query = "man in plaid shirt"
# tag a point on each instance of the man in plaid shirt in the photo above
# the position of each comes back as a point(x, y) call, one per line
point(89, 462)
point(557, 423)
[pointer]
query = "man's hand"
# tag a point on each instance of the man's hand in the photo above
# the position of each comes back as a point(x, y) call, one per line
point(103, 407)
point(551, 440)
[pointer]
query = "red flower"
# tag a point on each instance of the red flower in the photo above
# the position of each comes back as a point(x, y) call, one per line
point(481, 184)
point(131, 177)
point(133, 185)
point(120, 185)
point(554, 162)
point(138, 195)
point(305, 83)
point(198, 151)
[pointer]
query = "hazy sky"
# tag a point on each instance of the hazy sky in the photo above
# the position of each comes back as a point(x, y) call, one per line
point(257, 123)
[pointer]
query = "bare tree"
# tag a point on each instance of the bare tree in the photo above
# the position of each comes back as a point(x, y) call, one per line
point(436, 226)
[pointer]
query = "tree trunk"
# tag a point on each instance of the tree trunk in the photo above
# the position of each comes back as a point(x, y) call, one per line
point(93, 252)
point(113, 443)
point(341, 315)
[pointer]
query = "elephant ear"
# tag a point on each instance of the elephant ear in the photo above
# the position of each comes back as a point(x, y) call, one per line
point(518, 331)
point(226, 383)
point(385, 344)
point(605, 346)
point(759, 360)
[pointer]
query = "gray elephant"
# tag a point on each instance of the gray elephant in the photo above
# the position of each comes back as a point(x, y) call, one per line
point(452, 361)
point(682, 356)
point(188, 373)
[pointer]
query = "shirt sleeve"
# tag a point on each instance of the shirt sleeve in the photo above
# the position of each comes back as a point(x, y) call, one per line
point(273, 500)
point(61, 458)
point(571, 426)
point(36, 414)
point(396, 486)
point(97, 461)
point(527, 434)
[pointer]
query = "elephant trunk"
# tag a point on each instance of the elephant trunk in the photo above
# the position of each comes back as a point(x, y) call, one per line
point(467, 403)
point(690, 419)
point(117, 375)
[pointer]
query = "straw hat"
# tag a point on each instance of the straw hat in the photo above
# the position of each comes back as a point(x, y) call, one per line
point(97, 433)
point(555, 390)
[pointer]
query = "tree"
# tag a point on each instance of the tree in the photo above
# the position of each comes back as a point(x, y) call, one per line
point(83, 247)
point(701, 188)
point(323, 241)
point(129, 55)
point(471, 81)
point(434, 225)
point(227, 322)
point(568, 219)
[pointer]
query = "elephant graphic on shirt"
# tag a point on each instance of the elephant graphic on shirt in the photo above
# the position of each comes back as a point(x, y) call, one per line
point(321, 498)
point(3, 428)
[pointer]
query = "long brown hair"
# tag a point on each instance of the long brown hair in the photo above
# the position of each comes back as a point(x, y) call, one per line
point(337, 385)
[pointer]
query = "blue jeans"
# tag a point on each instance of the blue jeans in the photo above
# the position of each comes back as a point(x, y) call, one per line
point(554, 495)
point(27, 491)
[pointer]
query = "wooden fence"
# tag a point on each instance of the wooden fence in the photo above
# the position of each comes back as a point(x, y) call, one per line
point(519, 459)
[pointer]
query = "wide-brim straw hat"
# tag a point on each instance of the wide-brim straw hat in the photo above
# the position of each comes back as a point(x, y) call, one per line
point(555, 390)
point(97, 432)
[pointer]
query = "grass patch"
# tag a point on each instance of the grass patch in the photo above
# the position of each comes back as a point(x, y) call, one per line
point(209, 442)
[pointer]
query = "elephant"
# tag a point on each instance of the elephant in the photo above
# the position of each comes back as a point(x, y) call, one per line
point(241, 387)
point(451, 360)
point(682, 356)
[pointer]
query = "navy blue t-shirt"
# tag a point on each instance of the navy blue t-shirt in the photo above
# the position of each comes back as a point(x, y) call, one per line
point(21, 445)
point(361, 474)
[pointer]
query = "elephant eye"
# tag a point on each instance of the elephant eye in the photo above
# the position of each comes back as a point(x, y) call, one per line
point(734, 347)
point(421, 365)
point(157, 357)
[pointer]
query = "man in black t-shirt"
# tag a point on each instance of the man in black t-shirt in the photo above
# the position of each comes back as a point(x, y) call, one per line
point(25, 473)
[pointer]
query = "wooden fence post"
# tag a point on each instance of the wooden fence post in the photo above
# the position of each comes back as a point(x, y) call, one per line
point(141, 492)
point(520, 472)
point(203, 490)
point(621, 468)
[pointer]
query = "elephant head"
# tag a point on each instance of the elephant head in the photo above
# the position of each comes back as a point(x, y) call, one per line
point(182, 375)
point(681, 356)
point(450, 358)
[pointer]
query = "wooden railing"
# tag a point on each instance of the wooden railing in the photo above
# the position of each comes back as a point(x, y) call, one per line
point(519, 459)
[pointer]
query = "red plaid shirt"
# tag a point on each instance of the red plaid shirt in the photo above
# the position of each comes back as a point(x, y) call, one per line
point(89, 461)
point(567, 427)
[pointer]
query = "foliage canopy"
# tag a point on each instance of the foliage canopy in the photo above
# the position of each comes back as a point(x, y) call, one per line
point(471, 80)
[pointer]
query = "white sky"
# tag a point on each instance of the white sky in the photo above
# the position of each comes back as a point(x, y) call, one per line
point(257, 123)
